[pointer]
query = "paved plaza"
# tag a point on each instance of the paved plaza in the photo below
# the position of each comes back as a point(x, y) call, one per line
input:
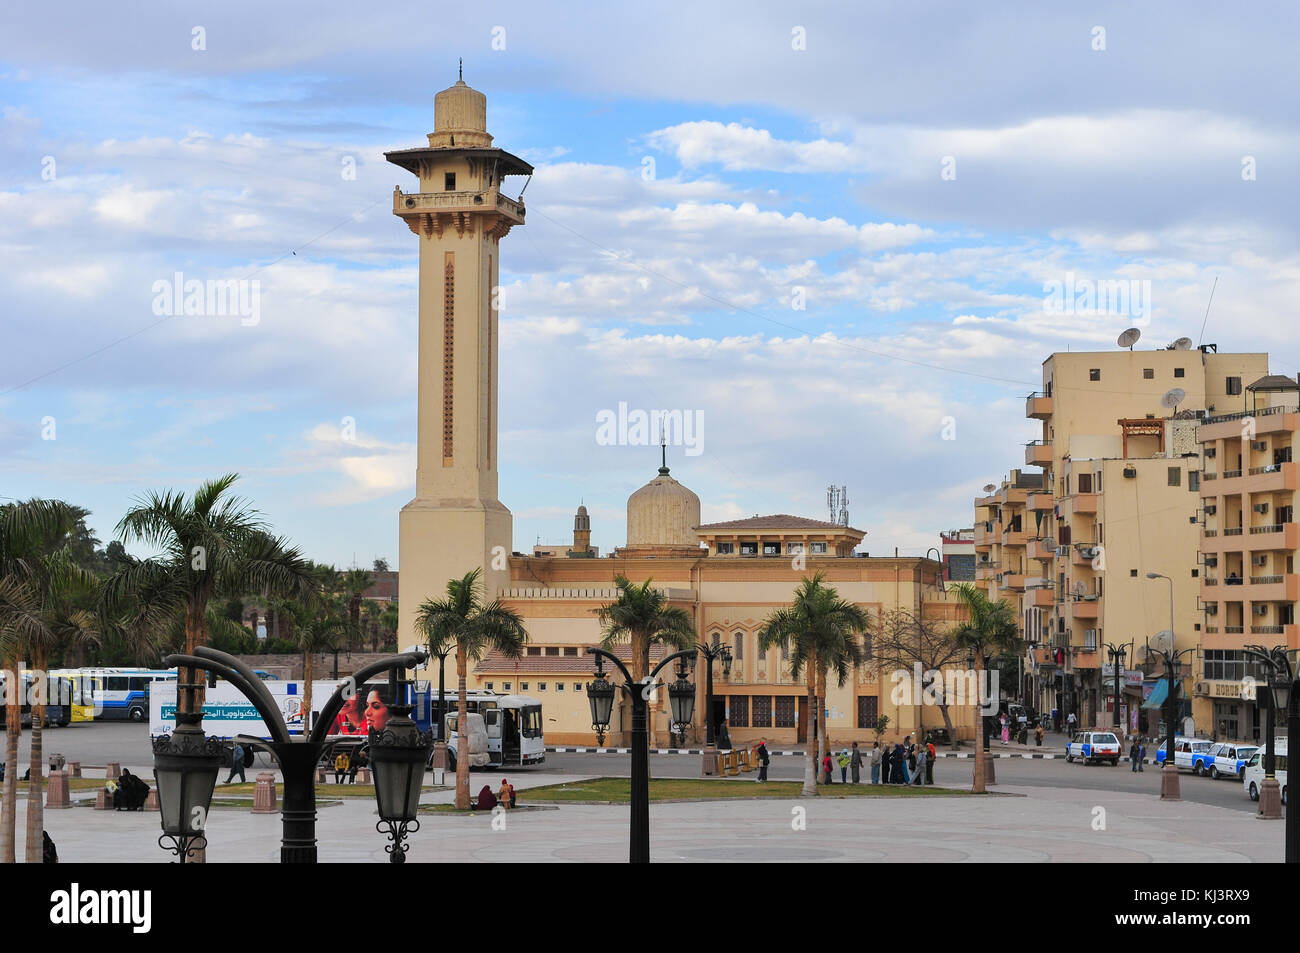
point(1020, 824)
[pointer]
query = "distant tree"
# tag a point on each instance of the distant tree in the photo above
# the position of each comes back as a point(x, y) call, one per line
point(380, 565)
point(904, 639)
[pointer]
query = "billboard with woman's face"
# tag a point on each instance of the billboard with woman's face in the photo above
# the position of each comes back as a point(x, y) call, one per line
point(367, 708)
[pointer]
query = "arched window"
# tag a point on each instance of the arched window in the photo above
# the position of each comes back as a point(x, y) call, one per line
point(738, 650)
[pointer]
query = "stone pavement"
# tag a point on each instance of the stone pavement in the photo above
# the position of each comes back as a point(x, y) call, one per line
point(1034, 825)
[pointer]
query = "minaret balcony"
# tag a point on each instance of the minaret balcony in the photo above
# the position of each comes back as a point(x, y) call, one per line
point(411, 205)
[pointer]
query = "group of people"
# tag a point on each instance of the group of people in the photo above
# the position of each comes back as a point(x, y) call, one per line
point(505, 797)
point(905, 762)
point(346, 766)
point(128, 792)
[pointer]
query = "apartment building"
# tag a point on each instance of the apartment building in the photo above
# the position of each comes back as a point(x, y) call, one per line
point(1248, 586)
point(1117, 499)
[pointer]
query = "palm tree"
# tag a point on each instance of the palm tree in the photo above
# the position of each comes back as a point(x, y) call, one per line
point(355, 582)
point(462, 621)
point(61, 622)
point(213, 545)
point(642, 617)
point(821, 630)
point(989, 629)
point(24, 527)
point(315, 629)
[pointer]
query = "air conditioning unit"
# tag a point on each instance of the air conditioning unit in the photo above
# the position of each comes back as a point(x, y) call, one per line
point(1062, 551)
point(1088, 552)
point(1261, 609)
point(1089, 597)
point(1210, 451)
point(1201, 688)
point(1211, 560)
point(1259, 560)
point(1261, 507)
point(1211, 508)
point(1130, 473)
point(1259, 445)
point(1212, 608)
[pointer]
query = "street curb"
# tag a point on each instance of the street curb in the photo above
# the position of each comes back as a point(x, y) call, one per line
point(791, 754)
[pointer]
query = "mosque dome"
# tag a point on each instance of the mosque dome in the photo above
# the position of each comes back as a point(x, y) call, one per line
point(460, 119)
point(663, 513)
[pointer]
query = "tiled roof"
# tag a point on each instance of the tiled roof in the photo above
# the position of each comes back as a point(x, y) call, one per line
point(1274, 382)
point(494, 663)
point(777, 521)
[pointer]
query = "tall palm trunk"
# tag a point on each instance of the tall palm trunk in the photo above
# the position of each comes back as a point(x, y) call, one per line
point(13, 733)
point(306, 693)
point(977, 787)
point(35, 847)
point(810, 716)
point(462, 733)
point(823, 744)
point(640, 669)
point(193, 639)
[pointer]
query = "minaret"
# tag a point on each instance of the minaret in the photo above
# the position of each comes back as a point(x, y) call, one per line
point(460, 214)
point(581, 531)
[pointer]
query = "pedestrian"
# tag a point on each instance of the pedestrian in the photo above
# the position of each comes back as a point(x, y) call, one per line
point(724, 736)
point(506, 794)
point(919, 777)
point(855, 762)
point(358, 762)
point(828, 766)
point(49, 853)
point(910, 747)
point(237, 765)
point(763, 759)
point(844, 761)
point(1038, 735)
point(899, 772)
point(930, 755)
point(1142, 756)
point(1134, 752)
point(1069, 722)
point(341, 767)
point(886, 763)
point(1006, 730)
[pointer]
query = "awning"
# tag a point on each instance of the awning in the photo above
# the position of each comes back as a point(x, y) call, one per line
point(1158, 694)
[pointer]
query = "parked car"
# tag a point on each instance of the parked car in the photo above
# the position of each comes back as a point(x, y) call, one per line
point(1230, 758)
point(1093, 746)
point(1252, 775)
point(1184, 749)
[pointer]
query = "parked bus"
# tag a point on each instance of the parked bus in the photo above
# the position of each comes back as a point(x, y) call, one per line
point(58, 698)
point(123, 693)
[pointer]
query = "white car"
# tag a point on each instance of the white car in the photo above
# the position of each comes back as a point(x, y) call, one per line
point(1093, 746)
point(1184, 749)
point(1252, 775)
point(1229, 759)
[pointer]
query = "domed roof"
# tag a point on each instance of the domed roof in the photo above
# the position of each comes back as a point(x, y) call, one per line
point(663, 513)
point(582, 511)
point(460, 118)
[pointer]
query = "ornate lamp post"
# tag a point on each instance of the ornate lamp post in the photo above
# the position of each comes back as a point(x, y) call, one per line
point(1276, 694)
point(1164, 648)
point(297, 759)
point(722, 653)
point(186, 764)
point(398, 755)
point(681, 699)
point(1117, 654)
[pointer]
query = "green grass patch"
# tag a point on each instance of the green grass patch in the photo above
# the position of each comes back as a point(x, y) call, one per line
point(619, 790)
point(322, 790)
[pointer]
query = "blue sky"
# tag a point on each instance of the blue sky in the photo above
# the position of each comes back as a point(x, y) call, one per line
point(778, 173)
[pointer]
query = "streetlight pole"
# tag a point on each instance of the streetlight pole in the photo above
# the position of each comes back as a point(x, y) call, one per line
point(711, 652)
point(681, 695)
point(1274, 695)
point(1117, 654)
point(1169, 790)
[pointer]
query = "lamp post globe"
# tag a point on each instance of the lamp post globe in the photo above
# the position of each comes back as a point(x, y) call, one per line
point(398, 755)
point(681, 700)
point(186, 763)
point(600, 696)
point(727, 659)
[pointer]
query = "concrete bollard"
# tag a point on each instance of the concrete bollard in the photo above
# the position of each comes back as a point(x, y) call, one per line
point(363, 775)
point(56, 793)
point(708, 763)
point(264, 794)
point(151, 802)
point(114, 771)
point(74, 769)
point(320, 775)
point(102, 802)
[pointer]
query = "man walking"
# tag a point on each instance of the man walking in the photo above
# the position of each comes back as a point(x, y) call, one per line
point(237, 764)
point(921, 760)
point(855, 763)
point(763, 759)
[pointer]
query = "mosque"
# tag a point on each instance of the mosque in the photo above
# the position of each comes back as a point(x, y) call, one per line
point(727, 576)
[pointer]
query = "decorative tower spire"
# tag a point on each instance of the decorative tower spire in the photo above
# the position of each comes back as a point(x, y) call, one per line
point(663, 448)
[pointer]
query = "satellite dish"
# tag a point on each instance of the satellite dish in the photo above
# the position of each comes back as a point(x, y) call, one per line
point(1183, 344)
point(989, 487)
point(1129, 338)
point(1162, 641)
point(1080, 588)
point(1173, 398)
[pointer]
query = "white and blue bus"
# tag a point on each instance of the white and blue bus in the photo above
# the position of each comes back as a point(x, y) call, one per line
point(122, 694)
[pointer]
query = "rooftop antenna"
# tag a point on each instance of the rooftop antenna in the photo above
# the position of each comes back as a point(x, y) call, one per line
point(663, 447)
point(833, 500)
point(844, 506)
point(1129, 338)
point(1207, 310)
point(460, 70)
point(1173, 398)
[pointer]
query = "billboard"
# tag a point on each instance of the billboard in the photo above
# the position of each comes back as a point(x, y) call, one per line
point(226, 712)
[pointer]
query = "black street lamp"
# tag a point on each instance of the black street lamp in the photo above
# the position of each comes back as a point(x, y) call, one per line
point(721, 652)
point(1275, 694)
point(681, 700)
point(1169, 786)
point(1117, 654)
point(297, 759)
point(398, 755)
point(186, 764)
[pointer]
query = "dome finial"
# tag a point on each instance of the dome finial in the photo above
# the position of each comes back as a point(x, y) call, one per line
point(663, 448)
point(460, 69)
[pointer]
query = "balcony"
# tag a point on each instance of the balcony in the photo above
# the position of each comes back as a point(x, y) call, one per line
point(1267, 420)
point(987, 533)
point(1014, 581)
point(1087, 658)
point(1038, 406)
point(1038, 454)
point(1084, 609)
point(1085, 554)
point(413, 206)
point(987, 570)
point(1264, 538)
point(1083, 503)
point(1040, 502)
point(1042, 655)
point(1043, 598)
point(1044, 549)
point(1014, 537)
